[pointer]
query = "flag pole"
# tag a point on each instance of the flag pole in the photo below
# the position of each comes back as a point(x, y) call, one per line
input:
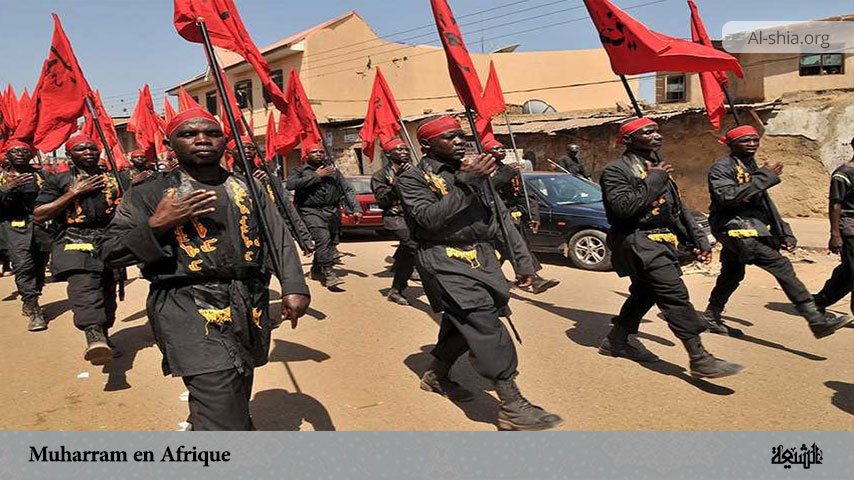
point(493, 195)
point(515, 155)
point(558, 166)
point(107, 148)
point(276, 192)
point(232, 122)
point(731, 105)
point(631, 96)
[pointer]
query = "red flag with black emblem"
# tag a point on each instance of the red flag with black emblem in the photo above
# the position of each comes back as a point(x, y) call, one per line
point(460, 66)
point(271, 139)
point(633, 48)
point(59, 98)
point(147, 127)
point(227, 31)
point(185, 101)
point(382, 117)
point(711, 83)
point(297, 124)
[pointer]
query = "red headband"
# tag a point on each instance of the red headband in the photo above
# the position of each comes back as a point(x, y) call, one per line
point(737, 133)
point(137, 152)
point(392, 144)
point(309, 146)
point(633, 126)
point(232, 144)
point(18, 144)
point(74, 141)
point(434, 128)
point(186, 116)
point(490, 143)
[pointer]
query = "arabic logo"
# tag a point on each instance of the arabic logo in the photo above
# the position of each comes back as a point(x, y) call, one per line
point(806, 456)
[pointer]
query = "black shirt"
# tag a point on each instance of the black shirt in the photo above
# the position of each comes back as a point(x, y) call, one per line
point(841, 192)
point(312, 191)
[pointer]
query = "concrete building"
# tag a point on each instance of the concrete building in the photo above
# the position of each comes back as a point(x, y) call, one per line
point(336, 62)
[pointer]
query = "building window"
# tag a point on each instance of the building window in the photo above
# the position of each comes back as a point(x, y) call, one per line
point(821, 64)
point(243, 93)
point(279, 79)
point(674, 88)
point(211, 102)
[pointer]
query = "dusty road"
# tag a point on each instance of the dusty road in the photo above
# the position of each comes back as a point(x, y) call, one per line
point(353, 363)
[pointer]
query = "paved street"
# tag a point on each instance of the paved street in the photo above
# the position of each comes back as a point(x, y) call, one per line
point(354, 361)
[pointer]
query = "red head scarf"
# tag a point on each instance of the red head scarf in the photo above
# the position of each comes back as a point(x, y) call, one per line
point(18, 144)
point(309, 146)
point(77, 140)
point(137, 152)
point(232, 144)
point(633, 126)
point(186, 116)
point(738, 132)
point(490, 143)
point(437, 126)
point(392, 144)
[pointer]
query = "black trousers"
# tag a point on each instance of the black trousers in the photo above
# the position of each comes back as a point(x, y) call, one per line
point(404, 259)
point(93, 298)
point(661, 286)
point(28, 265)
point(220, 400)
point(762, 252)
point(480, 332)
point(841, 281)
point(321, 222)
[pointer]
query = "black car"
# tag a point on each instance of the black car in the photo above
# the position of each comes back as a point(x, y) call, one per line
point(573, 219)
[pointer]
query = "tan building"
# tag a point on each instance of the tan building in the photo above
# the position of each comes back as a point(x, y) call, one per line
point(336, 62)
point(767, 76)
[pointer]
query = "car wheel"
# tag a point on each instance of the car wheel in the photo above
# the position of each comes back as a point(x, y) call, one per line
point(587, 250)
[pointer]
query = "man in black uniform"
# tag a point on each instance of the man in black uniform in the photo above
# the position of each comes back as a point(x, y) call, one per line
point(841, 214)
point(196, 232)
point(508, 182)
point(273, 186)
point(82, 202)
point(382, 184)
point(319, 189)
point(647, 223)
point(29, 244)
point(141, 170)
point(571, 163)
point(746, 222)
point(457, 232)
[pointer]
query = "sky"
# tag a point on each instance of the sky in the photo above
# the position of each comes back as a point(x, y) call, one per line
point(123, 44)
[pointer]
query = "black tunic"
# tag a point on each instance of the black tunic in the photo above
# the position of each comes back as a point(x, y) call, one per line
point(313, 191)
point(81, 222)
point(17, 207)
point(449, 217)
point(740, 206)
point(382, 184)
point(508, 183)
point(841, 192)
point(646, 216)
point(208, 303)
point(573, 166)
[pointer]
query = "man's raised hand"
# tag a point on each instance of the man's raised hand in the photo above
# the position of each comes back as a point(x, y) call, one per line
point(174, 210)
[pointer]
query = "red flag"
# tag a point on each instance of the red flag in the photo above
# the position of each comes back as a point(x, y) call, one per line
point(110, 132)
point(185, 101)
point(146, 125)
point(24, 104)
point(58, 100)
point(271, 139)
point(382, 117)
point(226, 31)
point(463, 74)
point(168, 111)
point(297, 124)
point(493, 96)
point(633, 48)
point(235, 109)
point(711, 83)
point(9, 109)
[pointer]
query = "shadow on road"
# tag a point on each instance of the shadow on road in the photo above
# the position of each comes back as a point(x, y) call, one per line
point(136, 316)
point(482, 409)
point(777, 346)
point(412, 294)
point(843, 398)
point(591, 327)
point(53, 310)
point(279, 409)
point(782, 307)
point(129, 341)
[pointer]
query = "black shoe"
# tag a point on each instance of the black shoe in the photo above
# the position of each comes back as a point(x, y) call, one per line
point(37, 321)
point(330, 279)
point(705, 365)
point(821, 324)
point(517, 413)
point(394, 296)
point(540, 285)
point(615, 349)
point(716, 324)
point(445, 387)
point(97, 350)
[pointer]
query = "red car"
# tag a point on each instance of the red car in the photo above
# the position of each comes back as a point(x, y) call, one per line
point(373, 214)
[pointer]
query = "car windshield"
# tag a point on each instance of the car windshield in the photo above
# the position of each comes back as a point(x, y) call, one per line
point(563, 189)
point(362, 186)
